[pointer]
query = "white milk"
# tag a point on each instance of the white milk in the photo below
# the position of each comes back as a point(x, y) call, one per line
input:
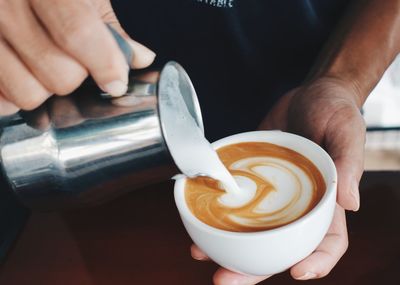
point(190, 150)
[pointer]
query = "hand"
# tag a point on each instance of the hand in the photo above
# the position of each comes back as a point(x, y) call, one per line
point(70, 111)
point(317, 265)
point(327, 112)
point(50, 46)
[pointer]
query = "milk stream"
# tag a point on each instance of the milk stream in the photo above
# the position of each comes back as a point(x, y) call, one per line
point(190, 150)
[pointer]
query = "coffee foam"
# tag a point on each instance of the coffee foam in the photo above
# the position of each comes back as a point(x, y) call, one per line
point(293, 189)
point(284, 184)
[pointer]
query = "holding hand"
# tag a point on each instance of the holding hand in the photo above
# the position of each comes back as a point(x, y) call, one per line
point(327, 112)
point(49, 47)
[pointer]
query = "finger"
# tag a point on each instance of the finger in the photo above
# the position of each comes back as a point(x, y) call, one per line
point(328, 253)
point(142, 56)
point(17, 84)
point(6, 107)
point(77, 28)
point(58, 72)
point(226, 277)
point(345, 141)
point(349, 175)
point(197, 253)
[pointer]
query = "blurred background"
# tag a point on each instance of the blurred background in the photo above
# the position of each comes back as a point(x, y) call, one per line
point(382, 115)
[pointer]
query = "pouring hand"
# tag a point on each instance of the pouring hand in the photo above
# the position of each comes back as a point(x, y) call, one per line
point(54, 47)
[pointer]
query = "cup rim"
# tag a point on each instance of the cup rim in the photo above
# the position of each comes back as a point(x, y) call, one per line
point(331, 188)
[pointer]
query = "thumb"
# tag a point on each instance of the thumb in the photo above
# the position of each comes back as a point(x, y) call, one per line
point(344, 142)
point(141, 55)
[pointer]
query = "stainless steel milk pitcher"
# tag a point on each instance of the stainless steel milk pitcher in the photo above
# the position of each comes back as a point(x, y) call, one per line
point(84, 148)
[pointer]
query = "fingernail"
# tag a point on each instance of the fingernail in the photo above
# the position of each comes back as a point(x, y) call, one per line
point(150, 54)
point(356, 195)
point(198, 258)
point(145, 55)
point(116, 88)
point(145, 50)
point(242, 282)
point(307, 276)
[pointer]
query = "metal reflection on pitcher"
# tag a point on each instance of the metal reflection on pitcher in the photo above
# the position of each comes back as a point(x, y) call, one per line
point(88, 148)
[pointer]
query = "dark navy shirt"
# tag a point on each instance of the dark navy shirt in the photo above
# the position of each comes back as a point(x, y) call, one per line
point(241, 54)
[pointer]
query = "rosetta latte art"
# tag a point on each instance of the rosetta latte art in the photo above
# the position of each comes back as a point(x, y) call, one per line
point(287, 184)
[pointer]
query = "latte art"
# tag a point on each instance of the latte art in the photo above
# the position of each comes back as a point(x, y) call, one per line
point(286, 186)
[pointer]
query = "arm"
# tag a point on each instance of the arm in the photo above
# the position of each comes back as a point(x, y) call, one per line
point(365, 43)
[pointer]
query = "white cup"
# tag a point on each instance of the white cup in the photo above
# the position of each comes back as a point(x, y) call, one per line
point(271, 251)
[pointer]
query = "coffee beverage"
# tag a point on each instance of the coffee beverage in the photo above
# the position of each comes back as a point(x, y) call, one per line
point(292, 182)
point(286, 186)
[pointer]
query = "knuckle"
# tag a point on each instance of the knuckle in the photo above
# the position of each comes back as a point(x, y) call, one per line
point(68, 83)
point(27, 94)
point(7, 107)
point(30, 95)
point(34, 100)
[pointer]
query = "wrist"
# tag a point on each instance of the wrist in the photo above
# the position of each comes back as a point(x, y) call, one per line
point(351, 89)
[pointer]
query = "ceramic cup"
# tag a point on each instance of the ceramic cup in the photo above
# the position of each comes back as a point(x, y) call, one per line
point(271, 251)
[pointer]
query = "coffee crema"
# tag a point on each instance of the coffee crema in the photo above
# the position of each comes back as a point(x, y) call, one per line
point(287, 184)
